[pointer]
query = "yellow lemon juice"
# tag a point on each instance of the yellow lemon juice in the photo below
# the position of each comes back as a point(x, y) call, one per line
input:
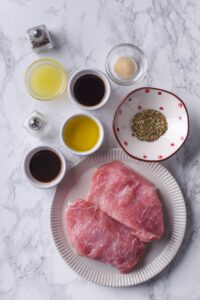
point(81, 133)
point(46, 80)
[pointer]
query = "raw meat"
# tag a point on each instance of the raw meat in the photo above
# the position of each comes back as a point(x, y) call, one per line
point(128, 198)
point(96, 235)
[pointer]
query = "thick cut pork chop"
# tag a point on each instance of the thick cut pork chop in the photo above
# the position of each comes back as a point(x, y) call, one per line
point(128, 198)
point(96, 235)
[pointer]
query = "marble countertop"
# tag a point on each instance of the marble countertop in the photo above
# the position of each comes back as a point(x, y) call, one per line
point(84, 31)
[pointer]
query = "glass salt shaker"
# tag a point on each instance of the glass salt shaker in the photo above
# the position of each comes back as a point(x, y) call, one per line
point(36, 124)
point(39, 38)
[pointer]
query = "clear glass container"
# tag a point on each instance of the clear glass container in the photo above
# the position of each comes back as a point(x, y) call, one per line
point(128, 51)
point(46, 79)
point(39, 38)
point(36, 124)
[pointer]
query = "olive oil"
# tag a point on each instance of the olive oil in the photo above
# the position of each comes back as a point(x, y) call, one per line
point(81, 133)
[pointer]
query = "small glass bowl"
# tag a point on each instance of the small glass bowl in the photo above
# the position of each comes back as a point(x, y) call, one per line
point(46, 61)
point(126, 50)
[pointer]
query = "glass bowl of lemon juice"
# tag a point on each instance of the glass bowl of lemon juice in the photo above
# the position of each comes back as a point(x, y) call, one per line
point(45, 79)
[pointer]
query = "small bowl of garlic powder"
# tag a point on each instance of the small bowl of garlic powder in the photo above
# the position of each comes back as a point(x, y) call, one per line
point(126, 64)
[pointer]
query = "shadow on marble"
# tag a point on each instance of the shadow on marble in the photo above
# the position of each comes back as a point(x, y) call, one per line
point(57, 42)
point(192, 145)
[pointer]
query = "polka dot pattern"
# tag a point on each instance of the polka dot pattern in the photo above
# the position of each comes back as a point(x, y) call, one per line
point(160, 100)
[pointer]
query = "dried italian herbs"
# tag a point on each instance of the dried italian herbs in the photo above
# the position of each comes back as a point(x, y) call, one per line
point(148, 125)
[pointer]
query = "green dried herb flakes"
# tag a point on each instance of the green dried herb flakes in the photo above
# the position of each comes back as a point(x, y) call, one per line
point(149, 124)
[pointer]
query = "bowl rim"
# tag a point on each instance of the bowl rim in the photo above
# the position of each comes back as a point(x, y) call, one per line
point(128, 82)
point(101, 134)
point(81, 72)
point(50, 61)
point(158, 89)
point(57, 179)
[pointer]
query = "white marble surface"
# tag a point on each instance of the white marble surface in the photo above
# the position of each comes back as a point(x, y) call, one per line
point(169, 34)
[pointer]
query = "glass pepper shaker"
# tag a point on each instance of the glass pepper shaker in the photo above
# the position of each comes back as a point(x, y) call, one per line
point(39, 38)
point(36, 124)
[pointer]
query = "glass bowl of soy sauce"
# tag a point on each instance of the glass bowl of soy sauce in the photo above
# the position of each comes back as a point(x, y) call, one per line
point(45, 166)
point(89, 89)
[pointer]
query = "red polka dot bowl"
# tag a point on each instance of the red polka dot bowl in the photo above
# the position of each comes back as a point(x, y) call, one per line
point(161, 100)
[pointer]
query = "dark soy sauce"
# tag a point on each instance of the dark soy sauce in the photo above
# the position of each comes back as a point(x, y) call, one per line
point(89, 90)
point(45, 165)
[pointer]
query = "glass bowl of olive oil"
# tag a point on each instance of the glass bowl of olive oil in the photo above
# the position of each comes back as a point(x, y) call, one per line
point(82, 134)
point(45, 79)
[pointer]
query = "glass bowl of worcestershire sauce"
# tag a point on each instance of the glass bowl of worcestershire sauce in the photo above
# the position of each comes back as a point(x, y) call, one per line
point(89, 89)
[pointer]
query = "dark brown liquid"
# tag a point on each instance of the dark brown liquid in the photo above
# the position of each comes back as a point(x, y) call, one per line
point(89, 90)
point(45, 165)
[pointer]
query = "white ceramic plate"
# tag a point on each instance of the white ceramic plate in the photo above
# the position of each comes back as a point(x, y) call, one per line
point(161, 100)
point(158, 255)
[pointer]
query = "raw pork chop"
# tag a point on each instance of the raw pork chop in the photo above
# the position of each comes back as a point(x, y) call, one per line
point(94, 234)
point(128, 198)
